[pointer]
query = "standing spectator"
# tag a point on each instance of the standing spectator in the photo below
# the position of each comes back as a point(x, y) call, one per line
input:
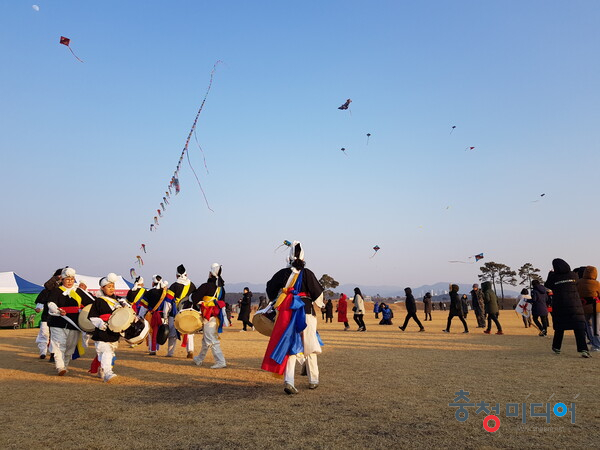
point(342, 310)
point(359, 309)
point(464, 303)
point(589, 292)
point(323, 311)
point(427, 306)
point(411, 310)
point(245, 305)
point(478, 306)
point(376, 309)
point(329, 311)
point(456, 309)
point(567, 310)
point(386, 314)
point(539, 310)
point(491, 307)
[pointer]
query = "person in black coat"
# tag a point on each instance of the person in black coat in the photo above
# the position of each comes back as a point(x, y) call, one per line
point(456, 309)
point(329, 311)
point(245, 304)
point(411, 310)
point(567, 309)
point(539, 310)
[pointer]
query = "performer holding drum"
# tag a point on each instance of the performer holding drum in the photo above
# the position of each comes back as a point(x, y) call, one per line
point(152, 307)
point(135, 294)
point(106, 339)
point(64, 304)
point(294, 290)
point(179, 291)
point(208, 298)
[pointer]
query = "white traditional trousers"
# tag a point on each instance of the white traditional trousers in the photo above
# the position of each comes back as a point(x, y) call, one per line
point(43, 338)
point(106, 353)
point(210, 340)
point(64, 342)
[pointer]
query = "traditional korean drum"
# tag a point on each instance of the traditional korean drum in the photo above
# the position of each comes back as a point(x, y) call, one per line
point(188, 321)
point(84, 323)
point(121, 319)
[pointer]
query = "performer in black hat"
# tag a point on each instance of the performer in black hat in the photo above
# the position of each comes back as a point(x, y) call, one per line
point(179, 291)
point(295, 292)
point(153, 303)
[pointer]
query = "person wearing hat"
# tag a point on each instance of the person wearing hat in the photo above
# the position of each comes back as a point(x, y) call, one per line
point(178, 291)
point(478, 305)
point(106, 340)
point(295, 292)
point(208, 299)
point(153, 303)
point(64, 304)
point(427, 306)
point(41, 305)
point(136, 293)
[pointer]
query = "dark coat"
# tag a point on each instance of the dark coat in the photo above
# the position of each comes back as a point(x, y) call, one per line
point(567, 310)
point(477, 301)
point(427, 303)
point(329, 309)
point(489, 298)
point(455, 302)
point(410, 303)
point(539, 299)
point(465, 305)
point(245, 305)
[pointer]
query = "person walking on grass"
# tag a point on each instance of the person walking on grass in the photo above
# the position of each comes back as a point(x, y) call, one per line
point(427, 306)
point(359, 309)
point(456, 309)
point(539, 310)
point(491, 307)
point(244, 314)
point(589, 292)
point(567, 310)
point(329, 311)
point(478, 305)
point(411, 310)
point(342, 310)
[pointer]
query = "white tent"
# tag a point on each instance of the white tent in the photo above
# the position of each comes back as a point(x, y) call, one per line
point(93, 284)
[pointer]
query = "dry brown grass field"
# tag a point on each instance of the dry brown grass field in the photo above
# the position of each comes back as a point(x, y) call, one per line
point(380, 389)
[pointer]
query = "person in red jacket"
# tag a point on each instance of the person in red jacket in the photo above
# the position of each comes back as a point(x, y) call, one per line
point(342, 310)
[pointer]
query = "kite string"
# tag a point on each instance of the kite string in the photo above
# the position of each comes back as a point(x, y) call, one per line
point(203, 155)
point(198, 180)
point(74, 54)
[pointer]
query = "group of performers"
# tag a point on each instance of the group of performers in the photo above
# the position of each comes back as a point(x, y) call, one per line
point(293, 294)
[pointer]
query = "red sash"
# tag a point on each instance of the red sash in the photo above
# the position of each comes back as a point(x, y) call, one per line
point(70, 309)
point(105, 317)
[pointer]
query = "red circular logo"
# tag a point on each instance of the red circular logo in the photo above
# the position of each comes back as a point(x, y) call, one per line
point(486, 425)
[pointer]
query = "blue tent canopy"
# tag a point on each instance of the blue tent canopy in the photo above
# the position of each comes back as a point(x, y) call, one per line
point(27, 287)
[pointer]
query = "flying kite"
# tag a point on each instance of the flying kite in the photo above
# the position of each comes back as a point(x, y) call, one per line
point(453, 127)
point(344, 151)
point(139, 260)
point(162, 205)
point(132, 273)
point(376, 248)
point(166, 202)
point(535, 201)
point(469, 148)
point(286, 243)
point(66, 41)
point(477, 257)
point(368, 136)
point(143, 247)
point(152, 227)
point(155, 221)
point(346, 105)
point(36, 8)
point(159, 212)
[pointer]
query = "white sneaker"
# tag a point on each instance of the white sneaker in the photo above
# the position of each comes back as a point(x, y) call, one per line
point(218, 366)
point(197, 361)
point(109, 377)
point(242, 331)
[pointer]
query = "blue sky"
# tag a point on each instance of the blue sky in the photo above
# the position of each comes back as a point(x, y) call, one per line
point(88, 149)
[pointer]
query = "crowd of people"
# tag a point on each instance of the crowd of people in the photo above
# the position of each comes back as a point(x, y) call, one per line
point(293, 296)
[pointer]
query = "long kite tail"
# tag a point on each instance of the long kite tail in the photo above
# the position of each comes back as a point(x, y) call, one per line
point(203, 155)
point(199, 184)
point(76, 57)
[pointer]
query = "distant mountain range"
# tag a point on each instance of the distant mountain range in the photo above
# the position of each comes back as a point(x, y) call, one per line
point(383, 291)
